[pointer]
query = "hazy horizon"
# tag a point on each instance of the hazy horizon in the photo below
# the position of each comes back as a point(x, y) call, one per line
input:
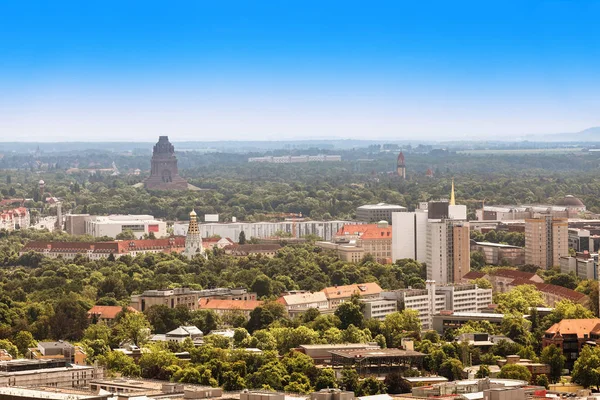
point(200, 71)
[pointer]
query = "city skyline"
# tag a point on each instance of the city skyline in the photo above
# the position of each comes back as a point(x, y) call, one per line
point(291, 71)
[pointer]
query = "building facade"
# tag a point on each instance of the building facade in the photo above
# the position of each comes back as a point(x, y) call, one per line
point(112, 225)
point(401, 166)
point(583, 265)
point(378, 212)
point(498, 253)
point(164, 174)
point(99, 250)
point(546, 241)
point(374, 239)
point(16, 218)
point(193, 239)
point(434, 299)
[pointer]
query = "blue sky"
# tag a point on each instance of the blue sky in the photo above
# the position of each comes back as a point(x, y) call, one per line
point(212, 70)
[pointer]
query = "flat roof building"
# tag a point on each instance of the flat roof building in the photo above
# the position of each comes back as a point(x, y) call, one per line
point(378, 212)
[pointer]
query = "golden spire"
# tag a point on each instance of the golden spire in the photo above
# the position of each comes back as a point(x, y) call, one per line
point(193, 228)
point(452, 199)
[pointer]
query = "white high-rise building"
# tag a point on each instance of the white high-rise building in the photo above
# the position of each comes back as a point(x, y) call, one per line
point(437, 233)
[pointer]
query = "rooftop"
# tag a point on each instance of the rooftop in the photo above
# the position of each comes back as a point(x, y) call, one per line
point(302, 298)
point(366, 231)
point(376, 353)
point(218, 304)
point(363, 289)
point(382, 206)
point(579, 327)
point(47, 394)
point(552, 289)
point(108, 312)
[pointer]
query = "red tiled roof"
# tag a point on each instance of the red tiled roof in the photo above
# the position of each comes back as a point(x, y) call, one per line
point(512, 273)
point(473, 275)
point(366, 231)
point(219, 304)
point(580, 327)
point(107, 312)
point(363, 289)
point(563, 292)
point(115, 247)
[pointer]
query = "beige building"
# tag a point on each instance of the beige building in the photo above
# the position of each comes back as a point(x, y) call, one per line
point(345, 252)
point(461, 249)
point(546, 241)
point(374, 239)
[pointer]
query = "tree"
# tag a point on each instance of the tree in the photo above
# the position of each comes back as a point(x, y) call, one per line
point(553, 356)
point(519, 300)
point(349, 379)
point(542, 380)
point(24, 341)
point(326, 379)
point(482, 372)
point(157, 363)
point(133, 326)
point(233, 381)
point(262, 286)
point(516, 328)
point(566, 309)
point(260, 318)
point(70, 319)
point(451, 369)
point(565, 280)
point(126, 234)
point(586, 370)
point(242, 238)
point(400, 324)
point(9, 347)
point(482, 283)
point(350, 313)
point(396, 384)
point(117, 361)
point(370, 386)
point(515, 371)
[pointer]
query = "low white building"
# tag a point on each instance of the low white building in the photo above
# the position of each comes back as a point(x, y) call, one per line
point(379, 308)
point(179, 335)
point(112, 225)
point(262, 230)
point(434, 299)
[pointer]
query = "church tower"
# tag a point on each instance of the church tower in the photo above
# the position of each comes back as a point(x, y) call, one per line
point(401, 168)
point(164, 174)
point(193, 240)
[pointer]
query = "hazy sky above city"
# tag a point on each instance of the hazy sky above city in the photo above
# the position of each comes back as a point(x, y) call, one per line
point(264, 70)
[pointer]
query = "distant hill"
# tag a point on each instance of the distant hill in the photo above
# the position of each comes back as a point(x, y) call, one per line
point(587, 135)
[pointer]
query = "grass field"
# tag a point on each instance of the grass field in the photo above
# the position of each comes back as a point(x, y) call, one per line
point(521, 151)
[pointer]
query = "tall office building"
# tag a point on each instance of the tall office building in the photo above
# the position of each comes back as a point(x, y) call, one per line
point(437, 233)
point(546, 241)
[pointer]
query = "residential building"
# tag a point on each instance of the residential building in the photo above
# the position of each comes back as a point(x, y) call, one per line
point(112, 225)
point(99, 250)
point(227, 306)
point(299, 303)
point(378, 212)
point(583, 265)
point(13, 219)
point(264, 230)
point(581, 240)
point(571, 335)
point(336, 295)
point(374, 239)
point(500, 254)
point(106, 314)
point(186, 296)
point(435, 299)
point(164, 174)
point(546, 241)
point(485, 389)
point(57, 373)
point(436, 234)
point(379, 308)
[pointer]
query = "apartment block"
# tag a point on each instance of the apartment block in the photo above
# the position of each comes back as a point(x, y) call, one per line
point(434, 299)
point(546, 241)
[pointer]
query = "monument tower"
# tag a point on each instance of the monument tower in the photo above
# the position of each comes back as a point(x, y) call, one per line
point(163, 168)
point(401, 167)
